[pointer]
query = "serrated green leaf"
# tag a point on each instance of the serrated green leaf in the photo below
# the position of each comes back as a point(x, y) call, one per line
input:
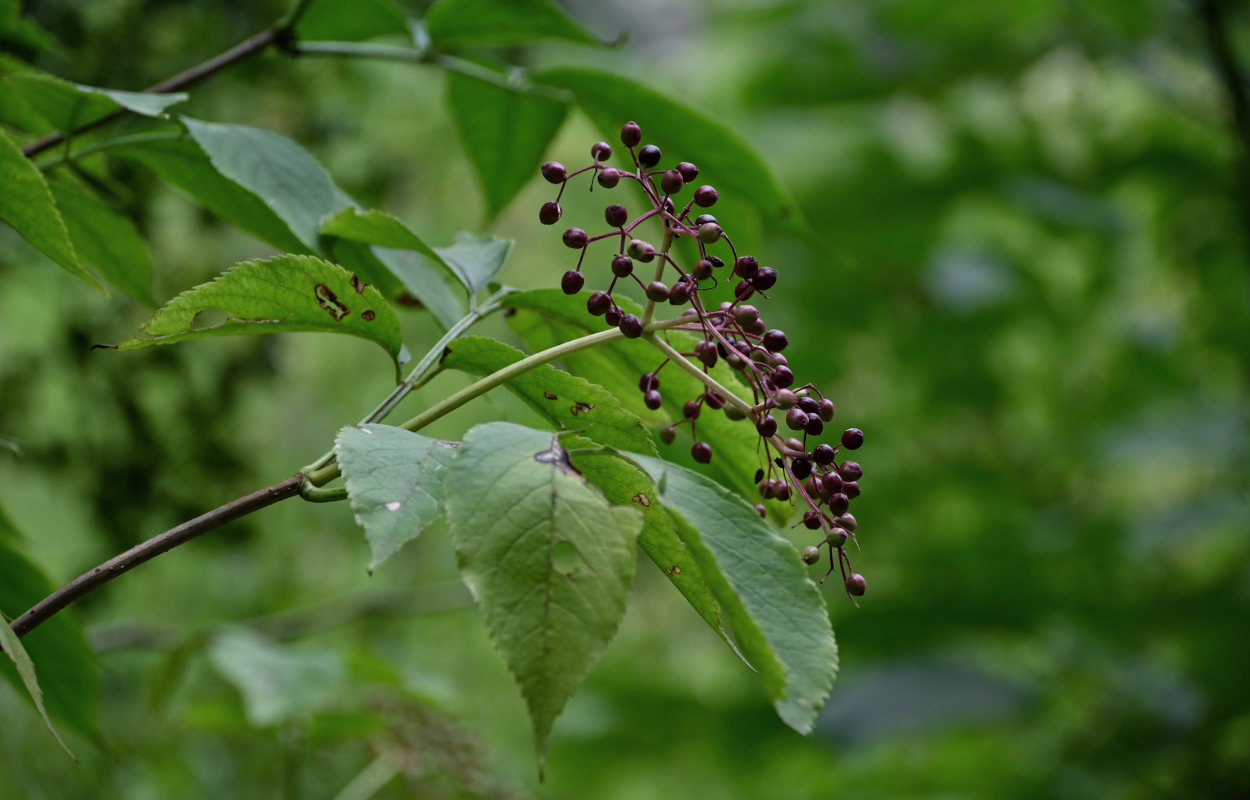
point(106, 240)
point(26, 203)
point(350, 22)
point(278, 682)
point(66, 106)
point(424, 280)
point(724, 157)
point(545, 555)
point(394, 480)
point(26, 671)
point(476, 259)
point(277, 295)
point(778, 615)
point(274, 168)
point(505, 133)
point(548, 316)
point(57, 648)
point(570, 402)
point(487, 23)
point(184, 165)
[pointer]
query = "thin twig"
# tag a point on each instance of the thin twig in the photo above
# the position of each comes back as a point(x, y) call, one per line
point(161, 543)
point(1215, 31)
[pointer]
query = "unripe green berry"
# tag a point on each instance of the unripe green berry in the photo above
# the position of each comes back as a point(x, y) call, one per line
point(811, 554)
point(709, 232)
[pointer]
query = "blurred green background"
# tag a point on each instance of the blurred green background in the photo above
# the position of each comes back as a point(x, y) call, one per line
point(1027, 283)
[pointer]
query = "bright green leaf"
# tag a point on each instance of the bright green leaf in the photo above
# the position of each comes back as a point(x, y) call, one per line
point(286, 293)
point(186, 166)
point(778, 615)
point(426, 281)
point(476, 259)
point(350, 22)
point(504, 131)
point(67, 106)
point(106, 240)
point(279, 683)
point(27, 205)
point(26, 671)
point(394, 481)
point(274, 168)
point(491, 23)
point(545, 555)
point(724, 158)
point(570, 402)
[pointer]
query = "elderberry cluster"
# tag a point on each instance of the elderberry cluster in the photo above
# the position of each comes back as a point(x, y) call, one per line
point(795, 468)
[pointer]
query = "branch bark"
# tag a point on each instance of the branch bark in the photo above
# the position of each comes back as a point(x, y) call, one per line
point(161, 543)
point(1211, 14)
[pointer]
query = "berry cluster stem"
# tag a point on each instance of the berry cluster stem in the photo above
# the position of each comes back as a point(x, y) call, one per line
point(648, 311)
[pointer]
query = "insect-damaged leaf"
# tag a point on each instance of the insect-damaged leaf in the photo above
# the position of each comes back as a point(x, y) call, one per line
point(546, 556)
point(286, 293)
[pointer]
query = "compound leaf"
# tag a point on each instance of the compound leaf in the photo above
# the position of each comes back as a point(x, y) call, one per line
point(547, 557)
point(394, 481)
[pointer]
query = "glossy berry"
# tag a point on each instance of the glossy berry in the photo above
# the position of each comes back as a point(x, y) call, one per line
point(572, 282)
point(554, 172)
point(746, 266)
point(801, 468)
point(631, 134)
point(856, 585)
point(852, 438)
point(600, 151)
point(706, 352)
point(765, 278)
point(643, 251)
point(850, 470)
point(653, 399)
point(622, 266)
point(784, 398)
point(782, 377)
point(746, 315)
point(811, 554)
point(815, 425)
point(613, 317)
point(796, 420)
point(705, 196)
point(823, 455)
point(709, 232)
point(688, 171)
point(808, 405)
point(743, 290)
point(657, 291)
point(811, 520)
point(668, 434)
point(836, 537)
point(649, 156)
point(550, 213)
point(702, 270)
point(631, 326)
point(847, 521)
point(598, 303)
point(775, 341)
point(648, 381)
point(839, 503)
point(826, 409)
point(704, 219)
point(691, 409)
point(609, 177)
point(575, 238)
point(759, 509)
point(616, 215)
point(679, 295)
point(832, 483)
point(713, 400)
point(850, 489)
point(702, 452)
point(671, 182)
point(766, 426)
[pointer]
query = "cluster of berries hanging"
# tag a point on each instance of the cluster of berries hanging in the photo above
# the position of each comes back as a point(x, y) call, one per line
point(795, 467)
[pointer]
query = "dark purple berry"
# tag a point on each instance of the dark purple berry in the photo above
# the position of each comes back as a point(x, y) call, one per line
point(832, 482)
point(823, 455)
point(706, 352)
point(598, 303)
point(796, 420)
point(622, 266)
point(575, 238)
point(782, 377)
point(826, 410)
point(679, 295)
point(554, 172)
point(783, 491)
point(704, 219)
point(775, 341)
point(767, 426)
point(794, 445)
point(765, 278)
point(713, 400)
point(550, 213)
point(759, 509)
point(811, 554)
point(702, 270)
point(759, 476)
point(746, 315)
point(653, 399)
point(671, 182)
point(616, 215)
point(572, 282)
point(702, 451)
point(709, 232)
point(649, 156)
point(609, 177)
point(612, 316)
point(717, 261)
point(705, 196)
point(811, 520)
point(850, 489)
point(746, 266)
point(801, 468)
point(648, 381)
point(856, 585)
point(688, 171)
point(631, 326)
point(839, 503)
point(808, 405)
point(743, 290)
point(815, 425)
point(601, 151)
point(691, 409)
point(668, 434)
point(852, 438)
point(850, 470)
point(631, 134)
point(656, 291)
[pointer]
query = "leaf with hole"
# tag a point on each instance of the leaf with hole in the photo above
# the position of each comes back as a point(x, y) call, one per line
point(277, 295)
point(394, 480)
point(548, 559)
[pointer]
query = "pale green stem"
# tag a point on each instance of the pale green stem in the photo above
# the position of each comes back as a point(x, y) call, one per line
point(107, 144)
point(706, 379)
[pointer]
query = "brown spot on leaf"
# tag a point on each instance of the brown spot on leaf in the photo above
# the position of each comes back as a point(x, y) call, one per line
point(641, 499)
point(330, 302)
point(557, 456)
point(581, 408)
point(673, 570)
point(550, 396)
point(368, 315)
point(409, 301)
point(358, 284)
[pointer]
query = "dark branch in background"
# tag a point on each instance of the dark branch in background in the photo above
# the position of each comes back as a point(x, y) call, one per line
point(161, 543)
point(279, 34)
point(1211, 13)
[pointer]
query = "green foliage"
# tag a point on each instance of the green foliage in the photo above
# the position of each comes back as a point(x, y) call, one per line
point(476, 260)
point(64, 106)
point(362, 19)
point(395, 482)
point(106, 240)
point(482, 23)
point(547, 558)
point(278, 683)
